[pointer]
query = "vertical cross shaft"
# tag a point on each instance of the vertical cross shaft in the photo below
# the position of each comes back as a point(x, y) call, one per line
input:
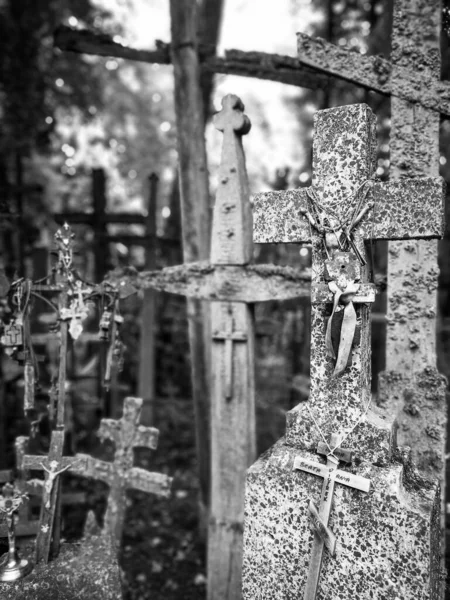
point(229, 336)
point(324, 514)
point(331, 475)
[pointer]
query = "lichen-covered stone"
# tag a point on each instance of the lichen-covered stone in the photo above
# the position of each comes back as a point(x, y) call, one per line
point(82, 571)
point(384, 538)
point(388, 539)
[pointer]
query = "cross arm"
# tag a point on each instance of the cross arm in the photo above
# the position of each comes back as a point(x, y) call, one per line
point(93, 468)
point(277, 217)
point(252, 283)
point(374, 73)
point(406, 209)
point(354, 481)
point(146, 437)
point(261, 65)
point(151, 483)
point(310, 466)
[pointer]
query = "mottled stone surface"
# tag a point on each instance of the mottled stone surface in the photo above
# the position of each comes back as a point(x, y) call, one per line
point(387, 540)
point(418, 403)
point(382, 536)
point(84, 571)
point(375, 72)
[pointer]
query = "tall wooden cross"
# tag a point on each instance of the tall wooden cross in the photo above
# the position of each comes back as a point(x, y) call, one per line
point(412, 78)
point(232, 285)
point(344, 164)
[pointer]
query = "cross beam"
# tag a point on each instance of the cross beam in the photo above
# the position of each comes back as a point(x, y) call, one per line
point(260, 65)
point(323, 536)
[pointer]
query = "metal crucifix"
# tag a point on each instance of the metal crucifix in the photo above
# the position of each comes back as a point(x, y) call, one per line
point(323, 536)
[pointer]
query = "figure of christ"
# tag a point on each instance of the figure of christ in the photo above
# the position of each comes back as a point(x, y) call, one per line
point(48, 485)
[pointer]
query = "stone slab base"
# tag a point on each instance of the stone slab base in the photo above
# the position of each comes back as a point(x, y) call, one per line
point(88, 570)
point(387, 540)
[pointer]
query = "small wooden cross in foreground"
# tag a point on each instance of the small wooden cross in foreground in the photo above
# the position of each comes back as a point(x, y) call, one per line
point(323, 536)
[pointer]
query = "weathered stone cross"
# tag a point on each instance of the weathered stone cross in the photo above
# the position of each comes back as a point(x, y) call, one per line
point(412, 78)
point(232, 285)
point(343, 161)
point(323, 536)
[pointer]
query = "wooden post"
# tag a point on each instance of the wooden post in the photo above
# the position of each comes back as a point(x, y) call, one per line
point(147, 341)
point(101, 250)
point(195, 212)
point(233, 285)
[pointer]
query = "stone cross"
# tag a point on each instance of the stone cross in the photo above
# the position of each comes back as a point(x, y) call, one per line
point(120, 475)
point(232, 285)
point(343, 161)
point(323, 536)
point(412, 78)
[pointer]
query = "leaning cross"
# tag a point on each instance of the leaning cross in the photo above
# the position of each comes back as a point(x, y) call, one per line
point(323, 536)
point(53, 466)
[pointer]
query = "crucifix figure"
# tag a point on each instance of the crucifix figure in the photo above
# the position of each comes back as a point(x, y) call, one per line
point(343, 186)
point(12, 567)
point(229, 335)
point(52, 473)
point(323, 536)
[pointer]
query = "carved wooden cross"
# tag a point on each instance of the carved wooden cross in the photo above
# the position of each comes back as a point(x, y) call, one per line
point(323, 536)
point(232, 285)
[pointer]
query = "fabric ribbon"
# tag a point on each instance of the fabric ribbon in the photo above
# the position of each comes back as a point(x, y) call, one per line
point(347, 328)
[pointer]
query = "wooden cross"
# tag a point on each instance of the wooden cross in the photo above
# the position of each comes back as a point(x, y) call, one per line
point(232, 285)
point(229, 335)
point(120, 475)
point(323, 536)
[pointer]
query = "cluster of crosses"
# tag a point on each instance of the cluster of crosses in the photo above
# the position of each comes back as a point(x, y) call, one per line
point(127, 433)
point(381, 533)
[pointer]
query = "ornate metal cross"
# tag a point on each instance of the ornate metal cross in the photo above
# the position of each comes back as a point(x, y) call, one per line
point(323, 536)
point(229, 335)
point(11, 566)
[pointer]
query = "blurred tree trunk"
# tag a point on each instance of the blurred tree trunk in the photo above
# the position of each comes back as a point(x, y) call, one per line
point(195, 216)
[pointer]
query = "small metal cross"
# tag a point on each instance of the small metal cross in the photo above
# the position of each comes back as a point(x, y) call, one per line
point(229, 336)
point(323, 536)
